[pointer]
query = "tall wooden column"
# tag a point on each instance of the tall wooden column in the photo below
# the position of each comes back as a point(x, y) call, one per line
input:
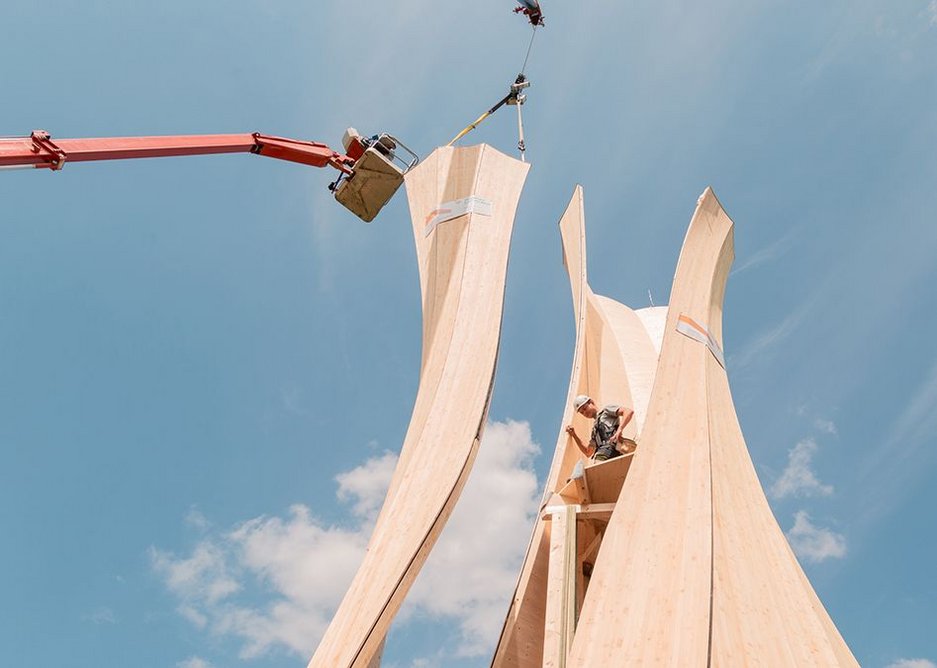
point(462, 206)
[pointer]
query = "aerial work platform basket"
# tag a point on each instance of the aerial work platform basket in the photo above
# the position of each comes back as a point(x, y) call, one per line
point(377, 174)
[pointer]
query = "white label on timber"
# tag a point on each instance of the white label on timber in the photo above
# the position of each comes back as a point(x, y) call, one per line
point(689, 327)
point(450, 210)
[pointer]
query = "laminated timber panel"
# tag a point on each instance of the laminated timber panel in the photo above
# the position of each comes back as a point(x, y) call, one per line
point(694, 570)
point(462, 265)
point(649, 598)
point(638, 355)
point(522, 637)
point(611, 344)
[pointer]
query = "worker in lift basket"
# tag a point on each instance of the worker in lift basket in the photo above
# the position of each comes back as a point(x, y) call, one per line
point(606, 441)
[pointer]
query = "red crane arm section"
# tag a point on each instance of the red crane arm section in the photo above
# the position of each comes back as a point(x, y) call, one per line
point(39, 150)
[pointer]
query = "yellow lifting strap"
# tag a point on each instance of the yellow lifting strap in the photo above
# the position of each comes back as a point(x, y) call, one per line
point(513, 97)
point(471, 126)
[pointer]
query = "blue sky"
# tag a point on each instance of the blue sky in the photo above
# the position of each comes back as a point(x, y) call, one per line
point(183, 339)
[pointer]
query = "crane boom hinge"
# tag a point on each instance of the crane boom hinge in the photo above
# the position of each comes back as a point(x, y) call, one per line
point(43, 144)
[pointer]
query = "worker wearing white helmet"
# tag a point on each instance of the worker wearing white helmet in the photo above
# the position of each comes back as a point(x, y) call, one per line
point(605, 442)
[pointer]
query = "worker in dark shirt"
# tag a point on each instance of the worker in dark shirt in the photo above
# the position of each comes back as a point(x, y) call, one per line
point(606, 431)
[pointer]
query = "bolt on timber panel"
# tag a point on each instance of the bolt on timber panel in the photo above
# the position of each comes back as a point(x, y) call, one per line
point(462, 204)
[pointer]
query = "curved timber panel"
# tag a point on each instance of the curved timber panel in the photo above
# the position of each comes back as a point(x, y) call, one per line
point(693, 569)
point(614, 361)
point(638, 356)
point(521, 641)
point(462, 249)
point(651, 582)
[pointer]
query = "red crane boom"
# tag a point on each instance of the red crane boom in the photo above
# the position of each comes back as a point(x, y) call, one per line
point(370, 175)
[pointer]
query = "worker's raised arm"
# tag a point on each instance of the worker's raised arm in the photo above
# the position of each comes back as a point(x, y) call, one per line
point(587, 451)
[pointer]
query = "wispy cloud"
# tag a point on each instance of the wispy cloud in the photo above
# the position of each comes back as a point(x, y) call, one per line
point(196, 519)
point(100, 616)
point(825, 426)
point(813, 543)
point(422, 662)
point(767, 254)
point(906, 453)
point(292, 399)
point(194, 662)
point(763, 344)
point(299, 568)
point(798, 479)
point(932, 14)
point(919, 420)
point(914, 663)
point(193, 615)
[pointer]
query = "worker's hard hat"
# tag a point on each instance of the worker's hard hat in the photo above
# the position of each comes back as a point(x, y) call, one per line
point(581, 401)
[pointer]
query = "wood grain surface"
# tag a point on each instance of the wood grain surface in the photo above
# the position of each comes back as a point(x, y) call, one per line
point(462, 262)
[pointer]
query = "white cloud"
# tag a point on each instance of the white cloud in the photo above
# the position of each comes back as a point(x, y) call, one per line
point(913, 663)
point(297, 565)
point(484, 541)
point(194, 662)
point(367, 484)
point(932, 12)
point(815, 543)
point(193, 615)
point(300, 568)
point(203, 576)
point(798, 479)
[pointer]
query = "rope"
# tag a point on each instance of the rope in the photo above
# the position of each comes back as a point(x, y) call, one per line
point(529, 47)
point(521, 146)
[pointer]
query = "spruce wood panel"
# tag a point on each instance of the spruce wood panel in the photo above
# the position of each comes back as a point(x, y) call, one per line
point(638, 355)
point(652, 578)
point(694, 570)
point(522, 636)
point(654, 319)
point(610, 340)
point(462, 266)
